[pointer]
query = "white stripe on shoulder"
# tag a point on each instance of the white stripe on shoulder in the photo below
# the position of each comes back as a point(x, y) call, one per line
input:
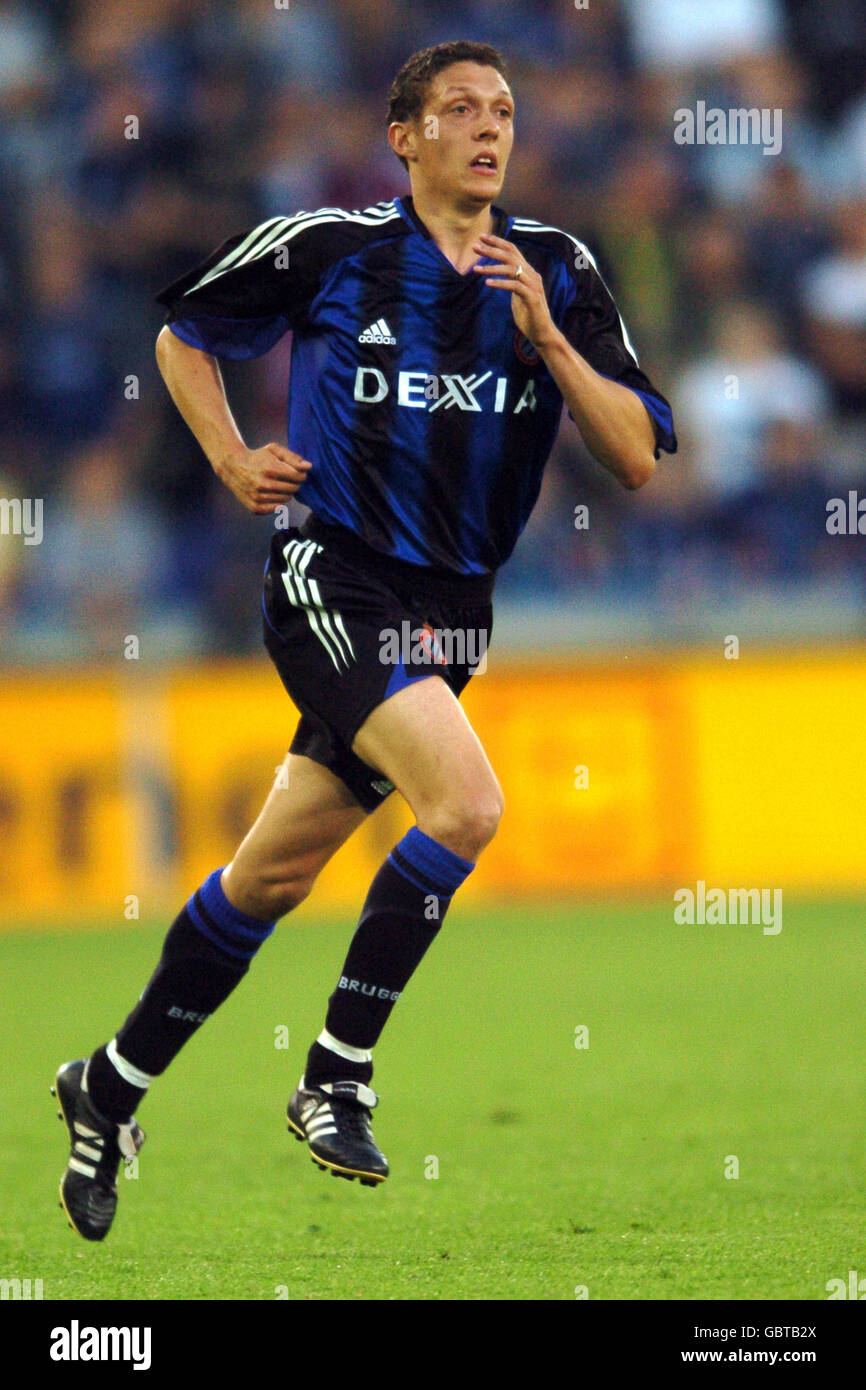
point(377, 208)
point(247, 247)
point(527, 224)
point(278, 230)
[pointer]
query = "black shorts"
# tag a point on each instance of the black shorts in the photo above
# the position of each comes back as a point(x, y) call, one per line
point(347, 627)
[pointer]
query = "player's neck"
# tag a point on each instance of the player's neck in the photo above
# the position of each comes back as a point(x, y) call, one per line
point(453, 229)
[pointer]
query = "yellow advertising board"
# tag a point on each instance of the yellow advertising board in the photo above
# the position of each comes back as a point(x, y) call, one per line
point(66, 817)
point(118, 795)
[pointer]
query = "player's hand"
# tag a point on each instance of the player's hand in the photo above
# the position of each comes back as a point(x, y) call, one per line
point(528, 300)
point(263, 479)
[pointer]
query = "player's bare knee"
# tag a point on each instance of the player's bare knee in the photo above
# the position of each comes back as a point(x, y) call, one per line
point(487, 818)
point(465, 826)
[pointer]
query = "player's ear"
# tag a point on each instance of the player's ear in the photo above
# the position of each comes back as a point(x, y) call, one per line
point(402, 140)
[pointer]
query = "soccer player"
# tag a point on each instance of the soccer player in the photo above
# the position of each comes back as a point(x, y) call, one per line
point(435, 339)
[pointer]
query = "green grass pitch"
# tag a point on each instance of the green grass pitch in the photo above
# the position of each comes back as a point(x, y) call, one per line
point(559, 1168)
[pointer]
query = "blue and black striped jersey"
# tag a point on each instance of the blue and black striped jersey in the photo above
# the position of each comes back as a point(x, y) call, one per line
point(426, 415)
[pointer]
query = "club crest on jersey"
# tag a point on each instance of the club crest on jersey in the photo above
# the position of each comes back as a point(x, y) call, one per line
point(431, 646)
point(526, 351)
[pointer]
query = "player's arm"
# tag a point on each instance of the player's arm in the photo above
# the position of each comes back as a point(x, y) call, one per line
point(261, 479)
point(236, 305)
point(614, 418)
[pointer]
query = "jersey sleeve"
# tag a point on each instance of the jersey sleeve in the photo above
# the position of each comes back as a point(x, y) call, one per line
point(254, 288)
point(595, 329)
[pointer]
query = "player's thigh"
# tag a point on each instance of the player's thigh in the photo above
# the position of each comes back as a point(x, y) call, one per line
point(308, 815)
point(423, 742)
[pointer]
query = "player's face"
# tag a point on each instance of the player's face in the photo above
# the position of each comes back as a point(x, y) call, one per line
point(465, 133)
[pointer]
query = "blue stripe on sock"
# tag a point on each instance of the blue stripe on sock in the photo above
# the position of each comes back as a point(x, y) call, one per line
point(408, 871)
point(224, 923)
point(216, 937)
point(441, 868)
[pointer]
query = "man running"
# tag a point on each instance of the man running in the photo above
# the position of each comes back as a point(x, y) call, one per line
point(435, 340)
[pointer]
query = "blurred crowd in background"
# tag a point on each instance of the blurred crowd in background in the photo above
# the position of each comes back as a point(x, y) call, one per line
point(741, 277)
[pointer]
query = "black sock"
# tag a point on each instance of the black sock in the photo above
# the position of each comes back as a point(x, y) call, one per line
point(325, 1065)
point(403, 912)
point(113, 1097)
point(206, 954)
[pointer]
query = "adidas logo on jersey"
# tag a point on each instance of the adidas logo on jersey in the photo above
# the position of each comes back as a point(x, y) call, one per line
point(378, 333)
